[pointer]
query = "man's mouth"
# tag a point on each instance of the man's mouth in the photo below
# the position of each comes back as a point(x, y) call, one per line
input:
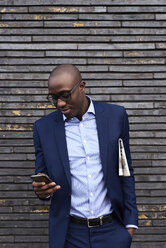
point(65, 111)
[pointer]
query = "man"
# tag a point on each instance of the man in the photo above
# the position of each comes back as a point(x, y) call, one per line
point(77, 147)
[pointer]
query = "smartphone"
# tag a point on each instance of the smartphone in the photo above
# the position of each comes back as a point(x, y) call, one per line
point(41, 178)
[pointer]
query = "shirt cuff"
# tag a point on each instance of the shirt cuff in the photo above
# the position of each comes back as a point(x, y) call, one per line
point(131, 226)
point(48, 197)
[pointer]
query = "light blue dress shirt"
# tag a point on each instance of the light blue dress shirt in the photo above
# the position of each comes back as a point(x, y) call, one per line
point(88, 193)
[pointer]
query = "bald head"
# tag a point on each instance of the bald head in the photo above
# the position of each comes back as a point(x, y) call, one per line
point(67, 89)
point(66, 69)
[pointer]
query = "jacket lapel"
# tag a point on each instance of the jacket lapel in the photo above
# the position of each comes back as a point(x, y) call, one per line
point(61, 145)
point(102, 129)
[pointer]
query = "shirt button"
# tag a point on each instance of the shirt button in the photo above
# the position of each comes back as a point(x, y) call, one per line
point(81, 125)
point(89, 176)
point(91, 194)
point(91, 211)
point(88, 157)
point(84, 141)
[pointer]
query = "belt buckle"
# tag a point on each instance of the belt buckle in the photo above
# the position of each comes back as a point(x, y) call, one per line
point(100, 219)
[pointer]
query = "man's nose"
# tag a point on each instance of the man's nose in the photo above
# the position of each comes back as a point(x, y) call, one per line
point(60, 103)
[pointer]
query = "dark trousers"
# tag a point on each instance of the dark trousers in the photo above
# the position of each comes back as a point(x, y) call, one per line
point(110, 235)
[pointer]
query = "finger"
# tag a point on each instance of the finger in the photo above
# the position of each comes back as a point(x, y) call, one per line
point(48, 185)
point(43, 185)
point(49, 191)
point(44, 188)
point(38, 184)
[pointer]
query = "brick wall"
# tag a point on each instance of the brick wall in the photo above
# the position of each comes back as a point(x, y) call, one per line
point(120, 48)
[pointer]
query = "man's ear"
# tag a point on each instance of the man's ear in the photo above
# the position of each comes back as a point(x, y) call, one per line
point(82, 86)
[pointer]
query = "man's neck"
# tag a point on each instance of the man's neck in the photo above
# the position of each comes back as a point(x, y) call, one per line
point(85, 107)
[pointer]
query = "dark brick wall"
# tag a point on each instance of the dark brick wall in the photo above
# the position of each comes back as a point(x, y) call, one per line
point(120, 48)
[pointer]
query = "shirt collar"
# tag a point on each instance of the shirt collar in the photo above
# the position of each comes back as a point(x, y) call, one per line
point(90, 110)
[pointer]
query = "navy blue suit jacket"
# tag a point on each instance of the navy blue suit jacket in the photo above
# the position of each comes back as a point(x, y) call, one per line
point(52, 159)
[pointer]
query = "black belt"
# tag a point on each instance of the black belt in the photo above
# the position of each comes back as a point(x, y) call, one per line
point(91, 222)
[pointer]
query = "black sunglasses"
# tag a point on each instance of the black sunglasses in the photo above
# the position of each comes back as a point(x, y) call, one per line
point(64, 95)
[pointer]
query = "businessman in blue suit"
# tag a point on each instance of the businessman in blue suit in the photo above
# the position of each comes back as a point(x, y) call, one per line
point(77, 147)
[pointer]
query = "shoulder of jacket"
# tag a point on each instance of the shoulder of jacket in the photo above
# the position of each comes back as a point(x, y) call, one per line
point(111, 106)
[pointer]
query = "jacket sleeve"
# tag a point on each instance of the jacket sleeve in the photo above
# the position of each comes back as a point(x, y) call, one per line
point(39, 162)
point(130, 215)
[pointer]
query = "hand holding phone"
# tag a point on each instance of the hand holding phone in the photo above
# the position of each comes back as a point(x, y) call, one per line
point(43, 186)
